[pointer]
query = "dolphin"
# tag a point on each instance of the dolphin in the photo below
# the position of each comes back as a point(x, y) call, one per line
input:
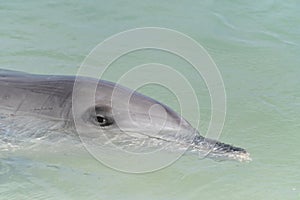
point(50, 97)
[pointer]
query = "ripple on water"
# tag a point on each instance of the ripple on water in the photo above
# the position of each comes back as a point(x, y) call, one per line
point(4, 168)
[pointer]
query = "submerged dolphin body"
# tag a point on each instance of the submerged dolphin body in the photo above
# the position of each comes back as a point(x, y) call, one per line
point(49, 97)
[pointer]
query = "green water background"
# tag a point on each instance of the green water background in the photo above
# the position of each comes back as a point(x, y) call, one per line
point(256, 47)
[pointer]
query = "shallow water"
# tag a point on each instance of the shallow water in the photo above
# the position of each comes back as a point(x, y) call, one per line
point(256, 47)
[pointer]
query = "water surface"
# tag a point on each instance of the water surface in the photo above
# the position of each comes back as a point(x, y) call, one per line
point(256, 47)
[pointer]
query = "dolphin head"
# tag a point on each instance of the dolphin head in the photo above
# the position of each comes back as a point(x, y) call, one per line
point(128, 118)
point(125, 117)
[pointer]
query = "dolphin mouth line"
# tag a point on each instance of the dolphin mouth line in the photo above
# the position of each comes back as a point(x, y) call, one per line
point(206, 148)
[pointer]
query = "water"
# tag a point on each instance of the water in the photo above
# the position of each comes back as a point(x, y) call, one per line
point(255, 45)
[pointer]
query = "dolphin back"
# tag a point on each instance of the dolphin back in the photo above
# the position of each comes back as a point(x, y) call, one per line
point(7, 73)
point(44, 95)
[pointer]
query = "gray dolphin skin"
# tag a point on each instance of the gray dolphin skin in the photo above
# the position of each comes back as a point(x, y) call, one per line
point(49, 97)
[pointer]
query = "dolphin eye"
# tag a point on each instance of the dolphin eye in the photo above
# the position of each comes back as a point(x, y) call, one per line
point(103, 121)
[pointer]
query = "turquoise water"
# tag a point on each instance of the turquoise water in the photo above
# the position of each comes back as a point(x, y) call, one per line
point(256, 47)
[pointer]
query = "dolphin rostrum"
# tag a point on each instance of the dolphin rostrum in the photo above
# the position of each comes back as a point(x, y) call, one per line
point(49, 97)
